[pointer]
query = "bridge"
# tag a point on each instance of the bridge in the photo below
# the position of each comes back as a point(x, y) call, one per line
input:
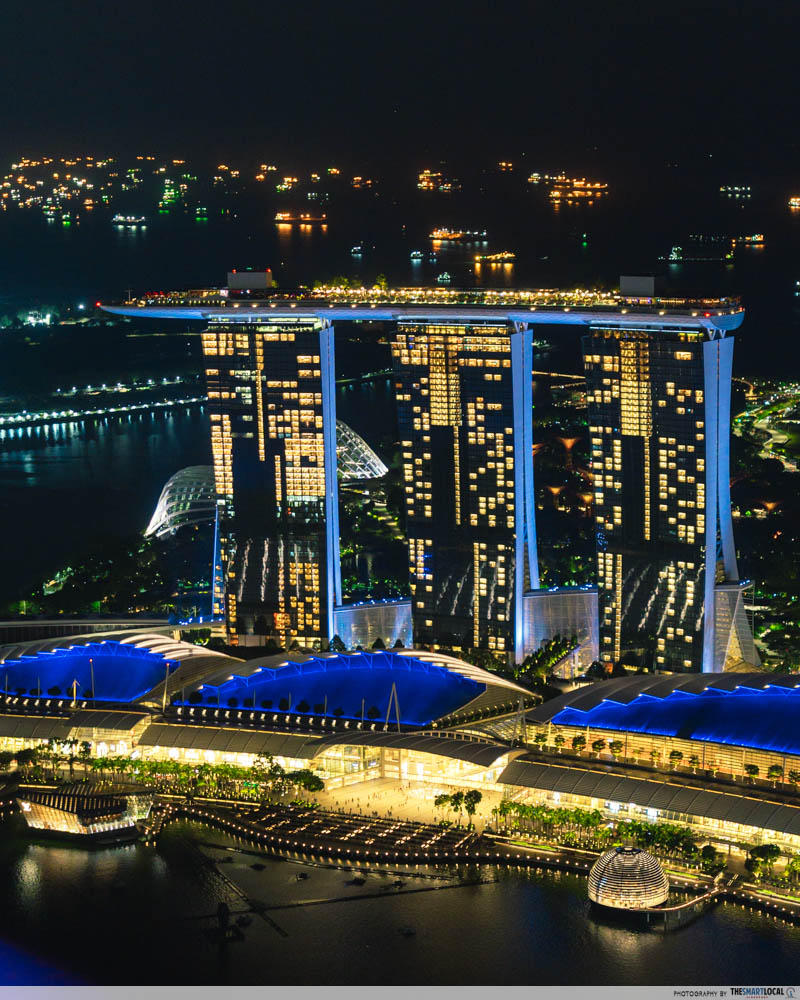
point(576, 307)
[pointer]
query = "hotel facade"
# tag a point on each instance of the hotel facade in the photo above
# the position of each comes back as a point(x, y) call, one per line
point(659, 423)
point(658, 374)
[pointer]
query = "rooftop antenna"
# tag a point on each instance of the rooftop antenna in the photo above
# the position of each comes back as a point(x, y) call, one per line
point(393, 698)
point(164, 699)
point(519, 722)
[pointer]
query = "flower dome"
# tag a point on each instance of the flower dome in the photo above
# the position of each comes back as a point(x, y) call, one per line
point(628, 878)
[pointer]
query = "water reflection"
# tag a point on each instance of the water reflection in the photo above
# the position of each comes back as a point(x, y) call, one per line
point(92, 480)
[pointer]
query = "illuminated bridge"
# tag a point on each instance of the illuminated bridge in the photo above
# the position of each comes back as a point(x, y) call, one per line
point(576, 307)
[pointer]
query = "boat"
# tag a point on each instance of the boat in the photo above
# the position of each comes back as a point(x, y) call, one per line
point(443, 278)
point(702, 249)
point(445, 235)
point(572, 189)
point(794, 202)
point(678, 255)
point(356, 251)
point(201, 214)
point(129, 220)
point(496, 258)
point(416, 255)
point(302, 217)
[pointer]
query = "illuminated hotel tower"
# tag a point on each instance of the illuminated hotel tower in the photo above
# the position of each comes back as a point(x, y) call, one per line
point(659, 420)
point(464, 399)
point(273, 432)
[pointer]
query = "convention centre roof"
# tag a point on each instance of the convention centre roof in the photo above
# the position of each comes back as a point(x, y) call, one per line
point(752, 710)
point(482, 753)
point(101, 671)
point(228, 740)
point(358, 686)
point(188, 663)
point(659, 795)
point(131, 667)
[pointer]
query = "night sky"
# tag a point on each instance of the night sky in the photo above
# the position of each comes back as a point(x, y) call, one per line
point(397, 81)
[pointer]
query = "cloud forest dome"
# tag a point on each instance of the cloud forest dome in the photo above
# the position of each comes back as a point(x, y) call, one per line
point(765, 718)
point(189, 496)
point(348, 686)
point(102, 671)
point(355, 457)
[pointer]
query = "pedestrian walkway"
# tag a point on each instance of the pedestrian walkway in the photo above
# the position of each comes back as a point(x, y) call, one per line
point(407, 800)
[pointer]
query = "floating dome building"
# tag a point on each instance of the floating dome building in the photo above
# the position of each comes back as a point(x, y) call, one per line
point(627, 878)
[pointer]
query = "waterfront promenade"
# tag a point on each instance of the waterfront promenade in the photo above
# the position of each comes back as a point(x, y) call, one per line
point(363, 843)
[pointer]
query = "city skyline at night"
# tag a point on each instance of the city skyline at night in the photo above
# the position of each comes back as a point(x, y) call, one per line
point(419, 607)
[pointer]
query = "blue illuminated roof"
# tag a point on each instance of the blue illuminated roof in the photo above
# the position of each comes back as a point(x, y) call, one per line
point(122, 672)
point(424, 691)
point(766, 718)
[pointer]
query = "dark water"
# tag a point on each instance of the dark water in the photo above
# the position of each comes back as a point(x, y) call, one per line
point(134, 915)
point(42, 262)
point(66, 488)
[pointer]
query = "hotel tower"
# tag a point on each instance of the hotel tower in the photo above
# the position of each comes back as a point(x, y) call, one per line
point(273, 434)
point(659, 378)
point(464, 404)
point(659, 422)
